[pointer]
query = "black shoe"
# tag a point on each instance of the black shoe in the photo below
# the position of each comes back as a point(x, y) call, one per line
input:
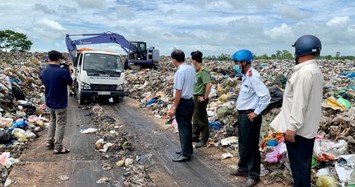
point(195, 139)
point(181, 158)
point(239, 173)
point(251, 182)
point(200, 144)
point(178, 152)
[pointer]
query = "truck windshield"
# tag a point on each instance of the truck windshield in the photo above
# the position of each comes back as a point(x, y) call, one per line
point(102, 62)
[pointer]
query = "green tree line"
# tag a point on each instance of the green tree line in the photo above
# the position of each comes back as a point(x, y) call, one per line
point(14, 41)
point(284, 54)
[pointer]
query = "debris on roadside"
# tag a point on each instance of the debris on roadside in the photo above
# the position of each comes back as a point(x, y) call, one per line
point(117, 149)
point(23, 115)
point(153, 88)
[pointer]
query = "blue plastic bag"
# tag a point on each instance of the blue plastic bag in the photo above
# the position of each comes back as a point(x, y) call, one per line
point(215, 124)
point(20, 124)
point(150, 101)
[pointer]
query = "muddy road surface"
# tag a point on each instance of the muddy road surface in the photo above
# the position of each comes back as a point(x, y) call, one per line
point(83, 166)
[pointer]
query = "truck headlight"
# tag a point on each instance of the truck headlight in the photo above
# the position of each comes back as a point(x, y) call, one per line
point(85, 86)
point(119, 87)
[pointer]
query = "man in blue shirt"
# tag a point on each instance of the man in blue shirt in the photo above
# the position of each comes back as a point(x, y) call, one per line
point(253, 98)
point(56, 81)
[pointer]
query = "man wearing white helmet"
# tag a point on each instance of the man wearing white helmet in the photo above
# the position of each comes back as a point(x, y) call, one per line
point(253, 98)
point(301, 109)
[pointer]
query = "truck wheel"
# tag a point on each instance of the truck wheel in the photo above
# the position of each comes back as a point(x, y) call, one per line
point(117, 99)
point(71, 94)
point(80, 99)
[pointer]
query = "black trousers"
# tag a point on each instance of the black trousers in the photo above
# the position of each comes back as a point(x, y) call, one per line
point(200, 120)
point(300, 155)
point(249, 135)
point(183, 116)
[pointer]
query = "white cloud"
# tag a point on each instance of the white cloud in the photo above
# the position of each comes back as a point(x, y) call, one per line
point(351, 28)
point(214, 26)
point(95, 4)
point(293, 13)
point(50, 29)
point(339, 21)
point(44, 8)
point(280, 32)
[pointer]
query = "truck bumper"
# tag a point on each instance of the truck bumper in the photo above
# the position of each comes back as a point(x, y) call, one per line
point(90, 93)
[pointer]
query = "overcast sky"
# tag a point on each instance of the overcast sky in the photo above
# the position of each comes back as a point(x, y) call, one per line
point(211, 26)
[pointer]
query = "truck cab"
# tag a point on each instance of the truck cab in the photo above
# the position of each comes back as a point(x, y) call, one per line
point(98, 74)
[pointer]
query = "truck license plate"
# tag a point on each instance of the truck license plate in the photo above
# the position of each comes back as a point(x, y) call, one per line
point(104, 93)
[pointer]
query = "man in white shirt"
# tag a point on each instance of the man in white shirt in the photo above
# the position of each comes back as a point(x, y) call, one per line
point(183, 105)
point(253, 98)
point(301, 109)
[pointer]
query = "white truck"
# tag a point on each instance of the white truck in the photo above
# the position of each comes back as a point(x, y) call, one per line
point(96, 74)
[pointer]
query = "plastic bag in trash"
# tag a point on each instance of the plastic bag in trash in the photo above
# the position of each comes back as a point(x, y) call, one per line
point(20, 124)
point(334, 104)
point(276, 98)
point(5, 137)
point(326, 181)
point(344, 102)
point(215, 124)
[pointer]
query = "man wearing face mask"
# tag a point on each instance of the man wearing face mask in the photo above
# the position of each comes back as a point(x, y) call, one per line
point(202, 89)
point(301, 109)
point(253, 98)
point(238, 71)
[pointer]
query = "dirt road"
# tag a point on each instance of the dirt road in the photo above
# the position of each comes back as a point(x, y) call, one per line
point(82, 167)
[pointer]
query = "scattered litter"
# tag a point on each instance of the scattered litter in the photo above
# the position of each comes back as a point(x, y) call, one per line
point(89, 130)
point(63, 177)
point(226, 155)
point(229, 141)
point(103, 180)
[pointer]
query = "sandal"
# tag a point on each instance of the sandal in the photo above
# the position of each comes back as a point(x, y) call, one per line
point(49, 146)
point(61, 151)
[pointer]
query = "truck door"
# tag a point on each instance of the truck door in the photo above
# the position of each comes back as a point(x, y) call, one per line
point(79, 65)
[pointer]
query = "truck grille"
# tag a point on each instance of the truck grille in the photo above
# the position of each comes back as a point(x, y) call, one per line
point(100, 87)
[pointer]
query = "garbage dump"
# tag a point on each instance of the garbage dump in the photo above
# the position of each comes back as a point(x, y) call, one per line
point(154, 90)
point(23, 115)
point(117, 149)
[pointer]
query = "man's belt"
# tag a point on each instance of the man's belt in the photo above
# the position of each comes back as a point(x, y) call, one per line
point(246, 111)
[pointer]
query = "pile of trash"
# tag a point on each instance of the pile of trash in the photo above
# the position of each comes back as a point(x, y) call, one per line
point(23, 115)
point(21, 110)
point(117, 148)
point(153, 88)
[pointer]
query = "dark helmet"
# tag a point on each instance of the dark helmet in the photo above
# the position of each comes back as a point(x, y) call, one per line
point(307, 44)
point(243, 54)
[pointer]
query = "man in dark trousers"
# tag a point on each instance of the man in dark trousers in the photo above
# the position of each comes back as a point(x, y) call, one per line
point(183, 106)
point(56, 81)
point(202, 89)
point(301, 109)
point(253, 98)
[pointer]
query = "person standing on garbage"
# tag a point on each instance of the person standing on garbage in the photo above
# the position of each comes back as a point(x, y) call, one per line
point(183, 105)
point(301, 109)
point(202, 89)
point(253, 98)
point(56, 80)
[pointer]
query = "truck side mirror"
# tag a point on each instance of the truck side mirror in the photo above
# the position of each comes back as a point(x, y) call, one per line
point(75, 63)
